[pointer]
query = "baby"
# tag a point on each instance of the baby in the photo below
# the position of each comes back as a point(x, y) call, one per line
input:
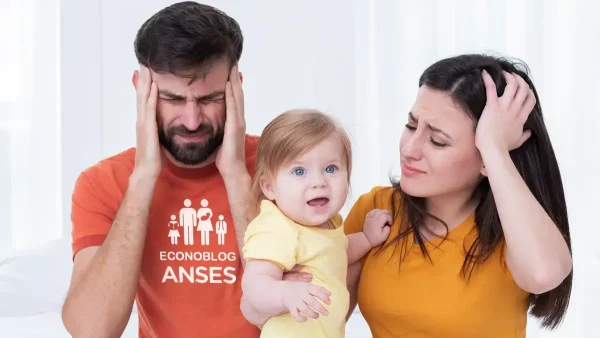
point(302, 177)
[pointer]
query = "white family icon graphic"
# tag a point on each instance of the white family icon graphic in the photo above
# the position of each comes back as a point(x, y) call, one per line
point(200, 220)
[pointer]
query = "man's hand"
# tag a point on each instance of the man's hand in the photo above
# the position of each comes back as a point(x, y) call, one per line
point(377, 226)
point(295, 275)
point(148, 156)
point(302, 300)
point(231, 156)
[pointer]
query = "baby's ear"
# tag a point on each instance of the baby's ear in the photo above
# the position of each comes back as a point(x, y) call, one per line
point(267, 189)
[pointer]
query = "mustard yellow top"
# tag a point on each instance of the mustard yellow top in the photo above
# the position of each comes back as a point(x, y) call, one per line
point(419, 299)
point(274, 237)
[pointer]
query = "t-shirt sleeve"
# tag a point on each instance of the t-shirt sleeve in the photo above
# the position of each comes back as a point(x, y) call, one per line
point(91, 217)
point(272, 238)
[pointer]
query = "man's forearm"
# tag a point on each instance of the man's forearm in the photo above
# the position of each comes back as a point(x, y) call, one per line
point(252, 314)
point(238, 193)
point(262, 296)
point(102, 297)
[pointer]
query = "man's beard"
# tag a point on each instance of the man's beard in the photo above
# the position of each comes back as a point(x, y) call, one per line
point(190, 153)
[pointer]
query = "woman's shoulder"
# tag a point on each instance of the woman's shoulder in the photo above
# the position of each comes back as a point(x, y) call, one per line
point(379, 197)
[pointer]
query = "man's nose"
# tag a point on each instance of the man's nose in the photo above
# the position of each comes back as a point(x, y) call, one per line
point(192, 115)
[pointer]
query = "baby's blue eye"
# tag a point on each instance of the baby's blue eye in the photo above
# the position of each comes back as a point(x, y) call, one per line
point(299, 171)
point(330, 169)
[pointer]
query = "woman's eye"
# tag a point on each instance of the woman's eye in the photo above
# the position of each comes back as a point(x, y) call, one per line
point(409, 127)
point(298, 171)
point(330, 169)
point(438, 144)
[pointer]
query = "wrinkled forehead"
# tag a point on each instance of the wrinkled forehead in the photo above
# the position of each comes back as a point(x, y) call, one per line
point(194, 83)
point(439, 109)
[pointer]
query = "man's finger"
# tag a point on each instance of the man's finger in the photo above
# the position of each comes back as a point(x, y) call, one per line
point(297, 277)
point(297, 317)
point(297, 268)
point(151, 106)
point(238, 93)
point(140, 92)
point(320, 293)
point(308, 312)
point(318, 307)
point(138, 82)
point(230, 105)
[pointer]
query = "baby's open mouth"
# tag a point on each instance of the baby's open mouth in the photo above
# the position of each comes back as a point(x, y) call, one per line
point(318, 202)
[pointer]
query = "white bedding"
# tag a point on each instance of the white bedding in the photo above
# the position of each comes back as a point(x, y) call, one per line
point(33, 285)
point(49, 325)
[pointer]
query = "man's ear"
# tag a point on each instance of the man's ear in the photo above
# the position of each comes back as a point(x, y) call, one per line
point(241, 78)
point(483, 171)
point(267, 189)
point(134, 78)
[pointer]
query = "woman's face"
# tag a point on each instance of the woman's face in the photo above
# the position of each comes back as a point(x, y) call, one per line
point(438, 156)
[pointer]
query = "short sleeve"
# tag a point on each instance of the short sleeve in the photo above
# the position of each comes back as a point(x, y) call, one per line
point(272, 237)
point(356, 217)
point(91, 217)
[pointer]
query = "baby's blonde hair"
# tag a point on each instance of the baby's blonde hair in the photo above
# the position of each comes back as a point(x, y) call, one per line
point(290, 135)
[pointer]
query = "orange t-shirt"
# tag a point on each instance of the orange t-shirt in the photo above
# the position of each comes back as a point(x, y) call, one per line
point(420, 299)
point(190, 282)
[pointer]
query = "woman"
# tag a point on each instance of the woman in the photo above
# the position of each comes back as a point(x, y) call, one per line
point(479, 230)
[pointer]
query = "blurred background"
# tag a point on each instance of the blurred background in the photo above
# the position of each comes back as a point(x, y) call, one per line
point(66, 102)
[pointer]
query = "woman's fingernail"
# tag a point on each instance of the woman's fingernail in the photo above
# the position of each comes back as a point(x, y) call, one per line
point(307, 276)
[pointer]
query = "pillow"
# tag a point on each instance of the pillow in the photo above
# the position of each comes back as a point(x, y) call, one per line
point(35, 281)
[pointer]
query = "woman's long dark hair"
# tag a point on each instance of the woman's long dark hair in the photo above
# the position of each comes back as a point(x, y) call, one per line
point(460, 76)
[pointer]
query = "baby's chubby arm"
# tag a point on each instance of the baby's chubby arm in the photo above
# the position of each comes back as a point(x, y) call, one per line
point(375, 231)
point(265, 294)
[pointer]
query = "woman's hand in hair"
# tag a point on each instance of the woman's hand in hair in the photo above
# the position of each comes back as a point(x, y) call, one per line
point(500, 126)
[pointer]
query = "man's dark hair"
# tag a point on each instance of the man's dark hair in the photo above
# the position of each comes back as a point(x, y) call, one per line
point(186, 38)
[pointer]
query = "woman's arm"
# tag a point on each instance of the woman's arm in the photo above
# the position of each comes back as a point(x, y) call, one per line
point(352, 280)
point(537, 253)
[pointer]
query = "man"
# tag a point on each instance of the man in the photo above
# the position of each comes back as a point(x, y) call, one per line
point(191, 147)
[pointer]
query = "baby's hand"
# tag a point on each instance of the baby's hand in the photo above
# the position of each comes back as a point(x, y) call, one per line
point(377, 226)
point(300, 299)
